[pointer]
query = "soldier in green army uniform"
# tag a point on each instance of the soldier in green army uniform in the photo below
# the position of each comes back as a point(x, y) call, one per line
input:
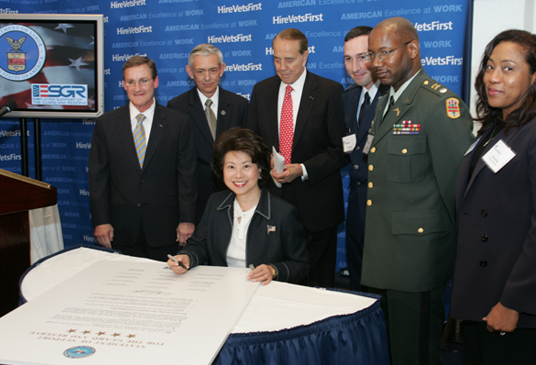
point(417, 141)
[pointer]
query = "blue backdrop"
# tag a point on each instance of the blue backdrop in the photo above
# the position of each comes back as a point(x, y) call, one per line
point(167, 30)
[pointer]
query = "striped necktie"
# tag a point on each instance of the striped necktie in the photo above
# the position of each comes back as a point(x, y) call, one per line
point(139, 139)
point(211, 118)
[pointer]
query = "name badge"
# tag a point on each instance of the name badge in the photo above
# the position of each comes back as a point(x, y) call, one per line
point(368, 144)
point(348, 143)
point(498, 156)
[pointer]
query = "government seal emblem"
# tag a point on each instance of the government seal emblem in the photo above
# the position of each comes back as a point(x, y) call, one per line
point(25, 52)
point(79, 352)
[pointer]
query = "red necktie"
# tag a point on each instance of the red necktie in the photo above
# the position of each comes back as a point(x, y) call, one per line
point(286, 129)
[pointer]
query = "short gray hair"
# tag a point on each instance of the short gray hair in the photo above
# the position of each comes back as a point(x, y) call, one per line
point(204, 49)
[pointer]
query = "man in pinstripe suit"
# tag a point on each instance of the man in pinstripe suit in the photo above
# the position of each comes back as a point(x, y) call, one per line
point(143, 195)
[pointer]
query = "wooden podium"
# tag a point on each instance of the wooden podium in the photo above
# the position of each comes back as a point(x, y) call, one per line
point(18, 195)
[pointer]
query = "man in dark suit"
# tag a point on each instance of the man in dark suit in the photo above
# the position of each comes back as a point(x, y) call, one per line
point(419, 140)
point(142, 178)
point(205, 67)
point(359, 102)
point(301, 114)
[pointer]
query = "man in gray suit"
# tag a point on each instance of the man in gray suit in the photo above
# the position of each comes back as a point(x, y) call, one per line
point(226, 110)
point(142, 178)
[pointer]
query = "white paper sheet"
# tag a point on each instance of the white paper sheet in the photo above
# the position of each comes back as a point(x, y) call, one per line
point(279, 164)
point(128, 313)
point(279, 306)
point(273, 307)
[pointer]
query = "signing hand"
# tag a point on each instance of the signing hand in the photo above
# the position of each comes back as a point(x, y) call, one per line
point(177, 269)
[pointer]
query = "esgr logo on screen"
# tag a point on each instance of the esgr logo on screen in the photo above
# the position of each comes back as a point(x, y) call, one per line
point(59, 94)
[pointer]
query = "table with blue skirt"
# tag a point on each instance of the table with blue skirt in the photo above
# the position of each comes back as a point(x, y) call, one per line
point(283, 324)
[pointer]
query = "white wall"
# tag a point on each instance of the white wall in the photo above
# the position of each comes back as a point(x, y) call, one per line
point(490, 17)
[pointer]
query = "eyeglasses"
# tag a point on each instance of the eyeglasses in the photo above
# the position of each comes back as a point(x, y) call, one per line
point(211, 71)
point(141, 82)
point(361, 58)
point(384, 54)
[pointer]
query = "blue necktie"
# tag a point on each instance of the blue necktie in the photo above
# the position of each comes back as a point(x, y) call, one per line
point(363, 110)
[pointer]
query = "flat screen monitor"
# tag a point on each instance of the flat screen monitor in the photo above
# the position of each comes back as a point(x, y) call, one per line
point(52, 65)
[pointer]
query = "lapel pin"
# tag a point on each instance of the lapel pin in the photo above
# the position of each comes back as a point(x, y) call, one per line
point(397, 110)
point(270, 229)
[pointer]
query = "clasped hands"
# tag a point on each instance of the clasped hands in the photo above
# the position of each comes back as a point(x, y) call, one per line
point(290, 172)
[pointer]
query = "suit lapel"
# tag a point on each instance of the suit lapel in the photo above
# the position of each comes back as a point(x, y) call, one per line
point(224, 113)
point(272, 97)
point(351, 117)
point(157, 131)
point(307, 102)
point(197, 115)
point(124, 131)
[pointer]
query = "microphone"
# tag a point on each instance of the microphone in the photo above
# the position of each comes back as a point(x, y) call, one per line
point(8, 107)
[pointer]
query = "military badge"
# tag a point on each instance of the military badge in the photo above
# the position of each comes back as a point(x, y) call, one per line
point(406, 127)
point(453, 108)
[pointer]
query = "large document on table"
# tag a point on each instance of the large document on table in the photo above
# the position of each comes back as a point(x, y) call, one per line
point(128, 313)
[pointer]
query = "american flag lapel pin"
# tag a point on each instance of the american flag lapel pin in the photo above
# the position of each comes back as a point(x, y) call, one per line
point(270, 229)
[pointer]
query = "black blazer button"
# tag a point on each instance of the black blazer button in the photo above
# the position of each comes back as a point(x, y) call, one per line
point(484, 238)
point(483, 263)
point(484, 213)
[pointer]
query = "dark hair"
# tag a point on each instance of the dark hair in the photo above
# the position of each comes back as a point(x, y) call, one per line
point(138, 61)
point(243, 140)
point(357, 31)
point(293, 34)
point(526, 112)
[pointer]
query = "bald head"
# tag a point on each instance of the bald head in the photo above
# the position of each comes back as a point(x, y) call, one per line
point(395, 43)
point(399, 26)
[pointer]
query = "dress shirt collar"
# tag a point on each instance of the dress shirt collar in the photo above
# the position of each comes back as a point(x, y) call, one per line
point(149, 113)
point(372, 92)
point(147, 123)
point(396, 94)
point(215, 98)
point(263, 206)
point(297, 85)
